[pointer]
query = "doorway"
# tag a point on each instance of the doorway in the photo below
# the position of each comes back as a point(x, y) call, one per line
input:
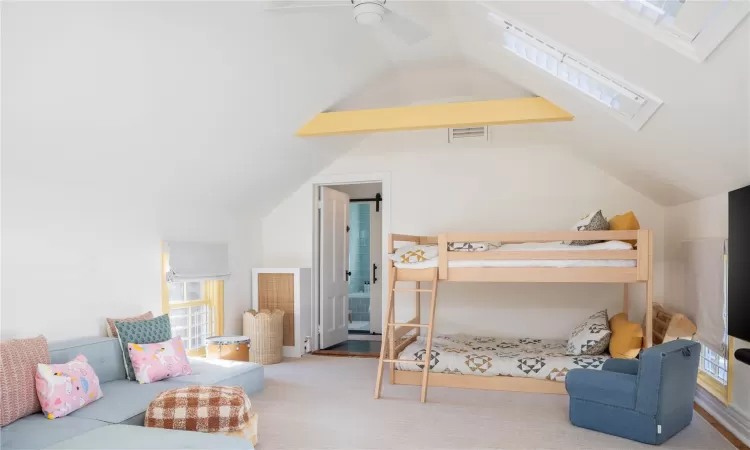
point(349, 238)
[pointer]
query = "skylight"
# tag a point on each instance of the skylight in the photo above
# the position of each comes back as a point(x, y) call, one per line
point(627, 103)
point(655, 11)
point(692, 27)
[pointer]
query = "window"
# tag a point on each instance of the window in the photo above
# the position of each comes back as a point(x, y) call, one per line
point(714, 373)
point(195, 308)
point(627, 103)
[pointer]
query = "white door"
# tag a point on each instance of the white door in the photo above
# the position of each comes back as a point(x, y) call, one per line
point(376, 269)
point(334, 267)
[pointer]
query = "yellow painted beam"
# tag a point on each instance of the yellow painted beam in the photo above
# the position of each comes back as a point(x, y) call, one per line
point(449, 115)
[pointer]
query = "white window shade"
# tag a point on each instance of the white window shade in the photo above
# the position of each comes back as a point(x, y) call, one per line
point(704, 290)
point(194, 261)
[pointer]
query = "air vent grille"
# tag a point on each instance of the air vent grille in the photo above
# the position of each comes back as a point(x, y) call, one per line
point(473, 133)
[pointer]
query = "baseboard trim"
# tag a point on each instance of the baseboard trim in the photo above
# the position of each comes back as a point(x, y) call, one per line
point(732, 419)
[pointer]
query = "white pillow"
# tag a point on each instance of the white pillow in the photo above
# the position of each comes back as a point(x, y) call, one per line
point(591, 337)
point(415, 253)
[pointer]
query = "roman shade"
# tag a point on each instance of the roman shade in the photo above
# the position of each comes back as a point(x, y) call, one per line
point(705, 290)
point(195, 261)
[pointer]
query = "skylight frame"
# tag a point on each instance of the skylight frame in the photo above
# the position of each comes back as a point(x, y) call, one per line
point(629, 104)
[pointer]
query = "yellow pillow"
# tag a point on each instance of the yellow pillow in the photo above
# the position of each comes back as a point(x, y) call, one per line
point(626, 221)
point(626, 339)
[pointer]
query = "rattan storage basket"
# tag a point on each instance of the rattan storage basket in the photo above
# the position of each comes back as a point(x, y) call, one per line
point(266, 332)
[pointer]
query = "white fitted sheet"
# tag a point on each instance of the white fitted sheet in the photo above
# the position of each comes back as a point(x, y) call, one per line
point(537, 246)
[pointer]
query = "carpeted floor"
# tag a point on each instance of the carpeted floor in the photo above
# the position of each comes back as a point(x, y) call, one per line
point(326, 403)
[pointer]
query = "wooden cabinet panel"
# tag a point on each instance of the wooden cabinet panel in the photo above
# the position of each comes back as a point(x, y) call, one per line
point(276, 291)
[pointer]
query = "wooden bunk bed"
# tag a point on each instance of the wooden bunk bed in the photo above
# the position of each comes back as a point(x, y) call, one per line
point(396, 336)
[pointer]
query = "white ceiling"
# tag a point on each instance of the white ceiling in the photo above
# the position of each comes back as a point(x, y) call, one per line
point(187, 101)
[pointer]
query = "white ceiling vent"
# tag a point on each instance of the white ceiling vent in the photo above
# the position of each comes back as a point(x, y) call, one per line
point(469, 134)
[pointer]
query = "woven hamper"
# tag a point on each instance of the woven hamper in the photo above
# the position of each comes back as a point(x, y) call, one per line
point(266, 332)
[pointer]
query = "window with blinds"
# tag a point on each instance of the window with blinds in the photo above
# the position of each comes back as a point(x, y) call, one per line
point(195, 310)
point(714, 370)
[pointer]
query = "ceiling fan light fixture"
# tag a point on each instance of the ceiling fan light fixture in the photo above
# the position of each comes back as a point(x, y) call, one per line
point(369, 13)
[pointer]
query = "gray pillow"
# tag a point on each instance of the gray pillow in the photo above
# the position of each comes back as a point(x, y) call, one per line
point(591, 337)
point(151, 331)
point(593, 222)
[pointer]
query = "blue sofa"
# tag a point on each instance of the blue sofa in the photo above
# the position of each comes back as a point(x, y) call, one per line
point(649, 400)
point(116, 420)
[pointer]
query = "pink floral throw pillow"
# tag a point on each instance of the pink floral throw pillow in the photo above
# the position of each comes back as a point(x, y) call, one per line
point(63, 388)
point(154, 362)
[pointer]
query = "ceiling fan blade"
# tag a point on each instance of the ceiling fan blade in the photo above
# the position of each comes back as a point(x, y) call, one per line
point(409, 31)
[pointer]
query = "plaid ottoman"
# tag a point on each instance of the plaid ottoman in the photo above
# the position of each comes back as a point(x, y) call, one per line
point(208, 409)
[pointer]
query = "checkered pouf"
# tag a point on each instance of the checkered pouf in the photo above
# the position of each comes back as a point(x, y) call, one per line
point(208, 409)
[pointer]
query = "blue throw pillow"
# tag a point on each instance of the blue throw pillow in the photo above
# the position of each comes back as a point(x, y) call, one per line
point(151, 331)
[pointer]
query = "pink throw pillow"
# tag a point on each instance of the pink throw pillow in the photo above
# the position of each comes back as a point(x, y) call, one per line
point(154, 362)
point(64, 388)
point(18, 361)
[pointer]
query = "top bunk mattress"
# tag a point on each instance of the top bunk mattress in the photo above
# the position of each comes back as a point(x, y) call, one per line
point(462, 354)
point(536, 246)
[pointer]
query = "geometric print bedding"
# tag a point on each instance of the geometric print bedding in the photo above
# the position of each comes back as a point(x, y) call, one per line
point(591, 337)
point(461, 354)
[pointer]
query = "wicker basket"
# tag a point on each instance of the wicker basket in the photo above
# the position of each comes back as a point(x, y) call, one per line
point(266, 332)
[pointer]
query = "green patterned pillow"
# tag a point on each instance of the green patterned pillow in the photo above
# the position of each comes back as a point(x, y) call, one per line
point(150, 331)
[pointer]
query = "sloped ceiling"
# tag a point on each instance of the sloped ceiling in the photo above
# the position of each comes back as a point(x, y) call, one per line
point(696, 145)
point(198, 102)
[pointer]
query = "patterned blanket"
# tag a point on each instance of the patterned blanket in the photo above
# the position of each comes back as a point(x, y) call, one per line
point(489, 356)
point(207, 409)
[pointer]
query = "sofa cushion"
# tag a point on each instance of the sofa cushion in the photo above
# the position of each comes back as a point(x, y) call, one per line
point(221, 372)
point(18, 362)
point(124, 401)
point(142, 332)
point(611, 388)
point(37, 432)
point(137, 438)
point(159, 361)
point(64, 388)
point(103, 354)
point(112, 330)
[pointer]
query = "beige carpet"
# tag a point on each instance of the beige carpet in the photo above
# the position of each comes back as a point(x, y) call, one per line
point(326, 403)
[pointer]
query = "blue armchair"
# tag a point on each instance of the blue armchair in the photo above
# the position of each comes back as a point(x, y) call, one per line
point(649, 400)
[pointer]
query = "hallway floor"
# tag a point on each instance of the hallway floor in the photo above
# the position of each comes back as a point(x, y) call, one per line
point(357, 349)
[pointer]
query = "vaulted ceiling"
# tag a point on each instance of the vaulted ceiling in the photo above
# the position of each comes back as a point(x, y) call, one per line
point(188, 102)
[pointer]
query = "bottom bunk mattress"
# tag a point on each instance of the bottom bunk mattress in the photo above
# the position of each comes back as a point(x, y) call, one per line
point(461, 354)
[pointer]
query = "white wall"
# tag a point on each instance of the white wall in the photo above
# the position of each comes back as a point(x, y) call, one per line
point(440, 187)
point(71, 259)
point(359, 190)
point(122, 125)
point(704, 218)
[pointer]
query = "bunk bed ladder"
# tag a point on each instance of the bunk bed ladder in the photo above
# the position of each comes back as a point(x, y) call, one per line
point(387, 349)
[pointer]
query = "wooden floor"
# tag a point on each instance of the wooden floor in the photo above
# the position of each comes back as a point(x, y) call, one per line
point(357, 349)
point(720, 428)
